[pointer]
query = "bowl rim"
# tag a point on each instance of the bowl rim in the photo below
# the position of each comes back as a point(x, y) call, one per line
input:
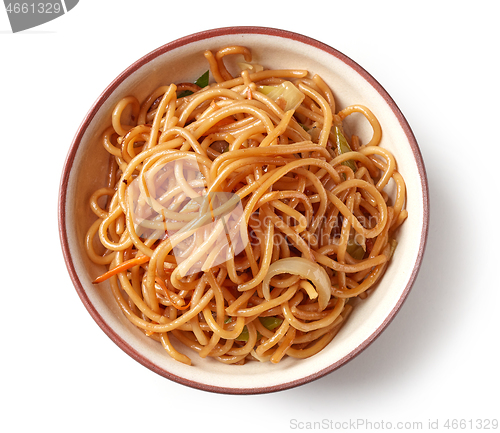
point(186, 40)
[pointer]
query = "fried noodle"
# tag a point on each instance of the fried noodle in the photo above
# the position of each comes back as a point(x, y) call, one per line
point(240, 218)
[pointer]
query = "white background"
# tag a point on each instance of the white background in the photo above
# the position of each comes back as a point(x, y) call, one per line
point(438, 359)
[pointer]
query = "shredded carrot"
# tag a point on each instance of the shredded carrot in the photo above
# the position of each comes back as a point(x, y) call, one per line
point(121, 268)
point(164, 287)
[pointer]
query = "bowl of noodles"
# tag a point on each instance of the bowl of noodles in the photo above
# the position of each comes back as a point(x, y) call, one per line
point(243, 210)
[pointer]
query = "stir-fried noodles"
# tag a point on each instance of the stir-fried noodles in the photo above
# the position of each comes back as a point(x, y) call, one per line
point(240, 217)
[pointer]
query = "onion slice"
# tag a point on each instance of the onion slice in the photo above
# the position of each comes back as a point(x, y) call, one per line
point(287, 92)
point(306, 269)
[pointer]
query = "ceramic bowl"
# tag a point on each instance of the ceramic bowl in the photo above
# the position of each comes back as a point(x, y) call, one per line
point(182, 60)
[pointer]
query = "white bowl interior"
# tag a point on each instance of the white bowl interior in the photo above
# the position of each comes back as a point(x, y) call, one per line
point(186, 63)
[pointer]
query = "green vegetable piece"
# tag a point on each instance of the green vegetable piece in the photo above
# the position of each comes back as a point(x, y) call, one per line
point(244, 335)
point(203, 80)
point(394, 244)
point(271, 322)
point(268, 322)
point(343, 147)
point(184, 93)
point(355, 250)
